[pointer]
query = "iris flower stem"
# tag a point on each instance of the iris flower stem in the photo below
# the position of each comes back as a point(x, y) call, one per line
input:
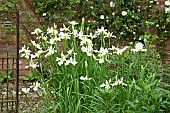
point(109, 43)
point(139, 61)
point(65, 45)
point(122, 60)
point(102, 41)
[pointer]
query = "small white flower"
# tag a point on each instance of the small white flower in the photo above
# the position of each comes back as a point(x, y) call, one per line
point(151, 2)
point(44, 38)
point(25, 90)
point(64, 36)
point(72, 60)
point(53, 40)
point(107, 84)
point(86, 42)
point(44, 14)
point(55, 26)
point(32, 64)
point(167, 9)
point(85, 78)
point(101, 60)
point(113, 13)
point(157, 25)
point(25, 52)
point(121, 82)
point(124, 13)
point(33, 56)
point(109, 35)
point(50, 51)
point(70, 52)
point(80, 35)
point(61, 60)
point(36, 31)
point(112, 4)
point(88, 50)
point(64, 28)
point(101, 31)
point(120, 51)
point(73, 22)
point(103, 52)
point(92, 36)
point(38, 53)
point(102, 17)
point(138, 47)
point(167, 3)
point(52, 31)
point(75, 33)
point(36, 45)
point(112, 48)
point(118, 82)
point(36, 86)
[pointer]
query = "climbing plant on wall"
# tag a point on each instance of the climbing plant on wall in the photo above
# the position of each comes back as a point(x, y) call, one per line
point(140, 19)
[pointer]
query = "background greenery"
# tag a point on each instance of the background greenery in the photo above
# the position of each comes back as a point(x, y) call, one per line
point(143, 16)
point(145, 19)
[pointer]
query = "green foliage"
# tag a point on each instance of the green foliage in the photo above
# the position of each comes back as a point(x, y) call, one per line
point(30, 76)
point(54, 9)
point(3, 76)
point(141, 17)
point(148, 37)
point(7, 12)
point(89, 78)
point(8, 4)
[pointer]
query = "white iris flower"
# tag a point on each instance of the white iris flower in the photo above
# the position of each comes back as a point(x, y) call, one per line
point(85, 78)
point(124, 13)
point(118, 82)
point(36, 86)
point(37, 31)
point(25, 90)
point(138, 47)
point(106, 85)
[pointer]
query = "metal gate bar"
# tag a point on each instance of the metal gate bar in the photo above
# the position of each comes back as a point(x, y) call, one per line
point(17, 63)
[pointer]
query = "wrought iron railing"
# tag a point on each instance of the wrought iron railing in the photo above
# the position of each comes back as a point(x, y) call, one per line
point(9, 63)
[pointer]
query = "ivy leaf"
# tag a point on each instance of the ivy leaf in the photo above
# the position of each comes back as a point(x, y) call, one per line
point(2, 77)
point(149, 23)
point(28, 76)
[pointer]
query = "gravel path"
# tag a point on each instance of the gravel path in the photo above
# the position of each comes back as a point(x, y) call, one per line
point(28, 103)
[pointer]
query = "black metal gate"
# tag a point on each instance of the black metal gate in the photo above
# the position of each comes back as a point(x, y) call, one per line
point(9, 61)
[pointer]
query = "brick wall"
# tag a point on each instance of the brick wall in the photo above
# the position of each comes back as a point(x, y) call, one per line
point(8, 59)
